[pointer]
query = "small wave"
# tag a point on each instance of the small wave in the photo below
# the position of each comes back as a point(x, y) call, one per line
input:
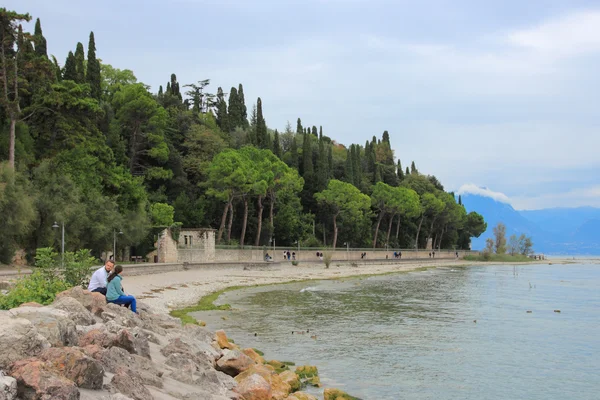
point(308, 289)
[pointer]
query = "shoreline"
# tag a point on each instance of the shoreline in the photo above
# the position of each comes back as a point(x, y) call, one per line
point(166, 292)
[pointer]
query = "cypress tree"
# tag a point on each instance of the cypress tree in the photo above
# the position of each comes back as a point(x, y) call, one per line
point(314, 131)
point(386, 137)
point(321, 166)
point(80, 63)
point(307, 163)
point(276, 145)
point(330, 162)
point(222, 117)
point(252, 135)
point(160, 91)
point(169, 92)
point(320, 131)
point(407, 172)
point(459, 200)
point(175, 87)
point(262, 137)
point(349, 167)
point(39, 40)
point(413, 169)
point(355, 164)
point(93, 69)
point(70, 70)
point(242, 107)
point(377, 177)
point(400, 172)
point(299, 128)
point(234, 111)
point(294, 151)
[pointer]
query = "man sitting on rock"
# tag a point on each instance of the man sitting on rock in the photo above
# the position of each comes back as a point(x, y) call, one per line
point(99, 278)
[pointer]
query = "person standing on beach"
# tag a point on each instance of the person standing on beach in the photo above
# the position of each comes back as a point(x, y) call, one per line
point(114, 290)
point(99, 278)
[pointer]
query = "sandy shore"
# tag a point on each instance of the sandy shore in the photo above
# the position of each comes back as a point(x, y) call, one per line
point(174, 290)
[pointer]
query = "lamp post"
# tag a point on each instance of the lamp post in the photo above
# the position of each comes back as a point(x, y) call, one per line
point(62, 246)
point(272, 240)
point(347, 250)
point(115, 243)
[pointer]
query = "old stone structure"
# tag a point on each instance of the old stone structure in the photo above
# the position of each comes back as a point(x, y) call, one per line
point(193, 245)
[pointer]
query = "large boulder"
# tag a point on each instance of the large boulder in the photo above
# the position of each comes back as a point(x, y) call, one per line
point(8, 388)
point(74, 365)
point(116, 358)
point(129, 383)
point(254, 387)
point(36, 381)
point(301, 396)
point(336, 394)
point(279, 388)
point(123, 316)
point(291, 379)
point(222, 341)
point(133, 343)
point(181, 349)
point(234, 362)
point(254, 356)
point(98, 337)
point(93, 302)
point(77, 312)
point(54, 325)
point(18, 339)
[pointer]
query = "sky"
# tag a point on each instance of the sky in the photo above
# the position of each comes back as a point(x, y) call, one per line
point(496, 94)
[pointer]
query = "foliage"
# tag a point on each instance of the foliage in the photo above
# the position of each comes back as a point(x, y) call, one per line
point(487, 256)
point(327, 256)
point(500, 238)
point(162, 214)
point(74, 271)
point(32, 288)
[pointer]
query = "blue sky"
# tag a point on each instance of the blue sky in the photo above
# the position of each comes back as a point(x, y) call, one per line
point(500, 94)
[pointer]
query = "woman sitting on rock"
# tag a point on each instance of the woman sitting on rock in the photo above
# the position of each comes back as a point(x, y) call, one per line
point(114, 290)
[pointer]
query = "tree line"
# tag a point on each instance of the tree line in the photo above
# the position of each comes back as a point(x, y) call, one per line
point(88, 145)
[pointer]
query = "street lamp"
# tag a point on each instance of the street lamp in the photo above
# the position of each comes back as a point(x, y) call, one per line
point(272, 240)
point(347, 250)
point(115, 243)
point(62, 247)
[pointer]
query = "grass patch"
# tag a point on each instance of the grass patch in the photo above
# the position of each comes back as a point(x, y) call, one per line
point(498, 258)
point(206, 303)
point(260, 353)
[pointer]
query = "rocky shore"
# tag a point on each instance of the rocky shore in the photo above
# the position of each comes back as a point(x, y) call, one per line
point(79, 347)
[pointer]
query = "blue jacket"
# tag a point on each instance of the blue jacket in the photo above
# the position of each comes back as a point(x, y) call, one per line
point(114, 289)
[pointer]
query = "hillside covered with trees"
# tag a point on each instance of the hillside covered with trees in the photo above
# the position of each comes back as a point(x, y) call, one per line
point(88, 145)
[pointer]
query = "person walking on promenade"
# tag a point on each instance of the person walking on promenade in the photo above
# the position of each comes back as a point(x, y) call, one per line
point(99, 278)
point(114, 290)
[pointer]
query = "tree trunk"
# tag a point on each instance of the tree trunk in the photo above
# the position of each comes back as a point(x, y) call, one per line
point(259, 227)
point(418, 231)
point(230, 222)
point(11, 143)
point(441, 237)
point(271, 207)
point(389, 231)
point(243, 235)
point(398, 228)
point(222, 226)
point(324, 236)
point(335, 231)
point(379, 218)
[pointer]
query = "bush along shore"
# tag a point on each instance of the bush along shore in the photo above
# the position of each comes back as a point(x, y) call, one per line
point(80, 347)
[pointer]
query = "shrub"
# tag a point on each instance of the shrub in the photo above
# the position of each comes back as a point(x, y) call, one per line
point(35, 287)
point(294, 263)
point(327, 256)
point(77, 265)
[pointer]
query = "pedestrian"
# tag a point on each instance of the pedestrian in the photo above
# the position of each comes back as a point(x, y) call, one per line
point(429, 254)
point(293, 255)
point(284, 254)
point(114, 290)
point(288, 255)
point(99, 278)
point(321, 256)
point(400, 254)
point(434, 254)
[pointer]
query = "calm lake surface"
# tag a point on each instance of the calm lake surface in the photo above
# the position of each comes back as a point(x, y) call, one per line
point(414, 335)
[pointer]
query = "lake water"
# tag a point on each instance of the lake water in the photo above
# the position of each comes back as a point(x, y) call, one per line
point(446, 333)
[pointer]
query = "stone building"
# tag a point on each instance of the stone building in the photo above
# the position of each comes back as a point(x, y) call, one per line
point(193, 245)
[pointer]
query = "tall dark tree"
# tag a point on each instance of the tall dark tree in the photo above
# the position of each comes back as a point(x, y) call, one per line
point(276, 145)
point(349, 166)
point(407, 172)
point(70, 69)
point(322, 173)
point(400, 172)
point(79, 64)
point(459, 200)
point(93, 69)
point(294, 153)
point(386, 137)
point(262, 136)
point(39, 40)
point(307, 162)
point(299, 128)
point(242, 106)
point(330, 162)
point(413, 169)
point(234, 111)
point(314, 131)
point(222, 116)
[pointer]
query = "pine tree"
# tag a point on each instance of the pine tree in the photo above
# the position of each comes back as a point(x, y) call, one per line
point(222, 117)
point(93, 69)
point(299, 128)
point(70, 70)
point(242, 107)
point(79, 64)
point(175, 87)
point(39, 40)
point(234, 110)
point(413, 169)
point(276, 145)
point(160, 91)
point(400, 172)
point(294, 153)
point(459, 200)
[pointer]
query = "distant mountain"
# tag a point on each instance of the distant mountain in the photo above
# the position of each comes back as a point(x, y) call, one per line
point(553, 230)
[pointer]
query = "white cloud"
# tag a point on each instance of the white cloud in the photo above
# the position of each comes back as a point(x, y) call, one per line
point(471, 188)
point(572, 34)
